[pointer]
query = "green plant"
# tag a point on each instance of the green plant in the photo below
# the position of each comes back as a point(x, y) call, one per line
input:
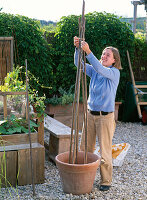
point(14, 83)
point(13, 125)
point(140, 35)
point(62, 100)
point(63, 97)
point(38, 103)
point(140, 62)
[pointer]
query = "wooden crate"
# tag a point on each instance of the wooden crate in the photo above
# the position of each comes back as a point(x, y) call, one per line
point(24, 165)
point(15, 157)
point(18, 156)
point(17, 139)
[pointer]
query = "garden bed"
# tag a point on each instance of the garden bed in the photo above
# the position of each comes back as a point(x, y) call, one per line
point(15, 151)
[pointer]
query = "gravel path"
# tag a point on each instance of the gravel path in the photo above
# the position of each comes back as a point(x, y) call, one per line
point(129, 180)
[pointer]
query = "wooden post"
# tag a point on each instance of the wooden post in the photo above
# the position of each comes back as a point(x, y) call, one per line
point(11, 54)
point(6, 56)
point(133, 82)
point(41, 130)
point(5, 106)
point(8, 174)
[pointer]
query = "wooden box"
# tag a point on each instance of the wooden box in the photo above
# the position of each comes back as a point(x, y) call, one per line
point(15, 166)
point(15, 161)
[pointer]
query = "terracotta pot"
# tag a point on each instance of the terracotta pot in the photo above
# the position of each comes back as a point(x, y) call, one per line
point(77, 178)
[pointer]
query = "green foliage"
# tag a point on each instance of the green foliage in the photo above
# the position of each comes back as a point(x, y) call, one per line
point(38, 102)
point(49, 28)
point(30, 45)
point(64, 97)
point(52, 65)
point(15, 125)
point(141, 36)
point(140, 61)
point(13, 83)
point(102, 29)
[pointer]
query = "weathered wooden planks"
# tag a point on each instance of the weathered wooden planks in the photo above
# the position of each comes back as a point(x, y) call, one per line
point(15, 164)
point(59, 141)
point(17, 139)
point(41, 130)
point(24, 165)
point(6, 56)
point(8, 168)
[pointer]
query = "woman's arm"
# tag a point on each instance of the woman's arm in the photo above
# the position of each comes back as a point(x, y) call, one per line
point(111, 73)
point(89, 68)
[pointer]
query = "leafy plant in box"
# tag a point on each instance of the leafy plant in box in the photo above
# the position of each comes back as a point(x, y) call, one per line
point(15, 125)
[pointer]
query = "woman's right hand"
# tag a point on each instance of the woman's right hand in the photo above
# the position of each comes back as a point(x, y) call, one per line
point(76, 41)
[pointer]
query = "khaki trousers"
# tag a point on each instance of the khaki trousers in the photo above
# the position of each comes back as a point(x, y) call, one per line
point(102, 126)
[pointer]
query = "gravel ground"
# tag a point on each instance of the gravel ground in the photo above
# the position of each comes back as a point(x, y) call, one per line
point(129, 180)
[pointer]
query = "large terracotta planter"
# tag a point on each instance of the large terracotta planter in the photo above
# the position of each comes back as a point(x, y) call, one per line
point(77, 178)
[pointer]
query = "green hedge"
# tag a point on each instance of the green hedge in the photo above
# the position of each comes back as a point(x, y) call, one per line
point(140, 61)
point(102, 29)
point(30, 45)
point(53, 64)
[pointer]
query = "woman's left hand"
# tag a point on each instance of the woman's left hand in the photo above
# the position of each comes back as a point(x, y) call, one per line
point(85, 47)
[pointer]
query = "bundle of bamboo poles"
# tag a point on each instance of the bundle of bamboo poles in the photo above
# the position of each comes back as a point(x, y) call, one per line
point(80, 80)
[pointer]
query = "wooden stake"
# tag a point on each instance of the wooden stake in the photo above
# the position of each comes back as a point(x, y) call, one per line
point(73, 156)
point(27, 98)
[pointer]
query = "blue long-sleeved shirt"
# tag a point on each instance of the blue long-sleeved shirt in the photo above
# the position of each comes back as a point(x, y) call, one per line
point(103, 84)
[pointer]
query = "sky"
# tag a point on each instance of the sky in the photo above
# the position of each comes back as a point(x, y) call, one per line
point(53, 10)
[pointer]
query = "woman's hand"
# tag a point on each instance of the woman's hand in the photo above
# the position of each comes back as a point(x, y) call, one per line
point(76, 41)
point(85, 47)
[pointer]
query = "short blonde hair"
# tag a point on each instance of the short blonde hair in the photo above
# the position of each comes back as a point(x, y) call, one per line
point(116, 56)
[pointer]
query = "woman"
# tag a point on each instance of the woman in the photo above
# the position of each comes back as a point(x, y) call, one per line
point(104, 79)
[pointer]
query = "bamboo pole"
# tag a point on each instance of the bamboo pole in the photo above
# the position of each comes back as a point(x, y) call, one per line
point(27, 98)
point(73, 155)
point(72, 145)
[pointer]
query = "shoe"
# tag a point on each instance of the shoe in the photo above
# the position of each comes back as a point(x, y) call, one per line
point(104, 187)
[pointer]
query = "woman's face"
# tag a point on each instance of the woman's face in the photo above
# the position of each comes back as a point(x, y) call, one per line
point(107, 58)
